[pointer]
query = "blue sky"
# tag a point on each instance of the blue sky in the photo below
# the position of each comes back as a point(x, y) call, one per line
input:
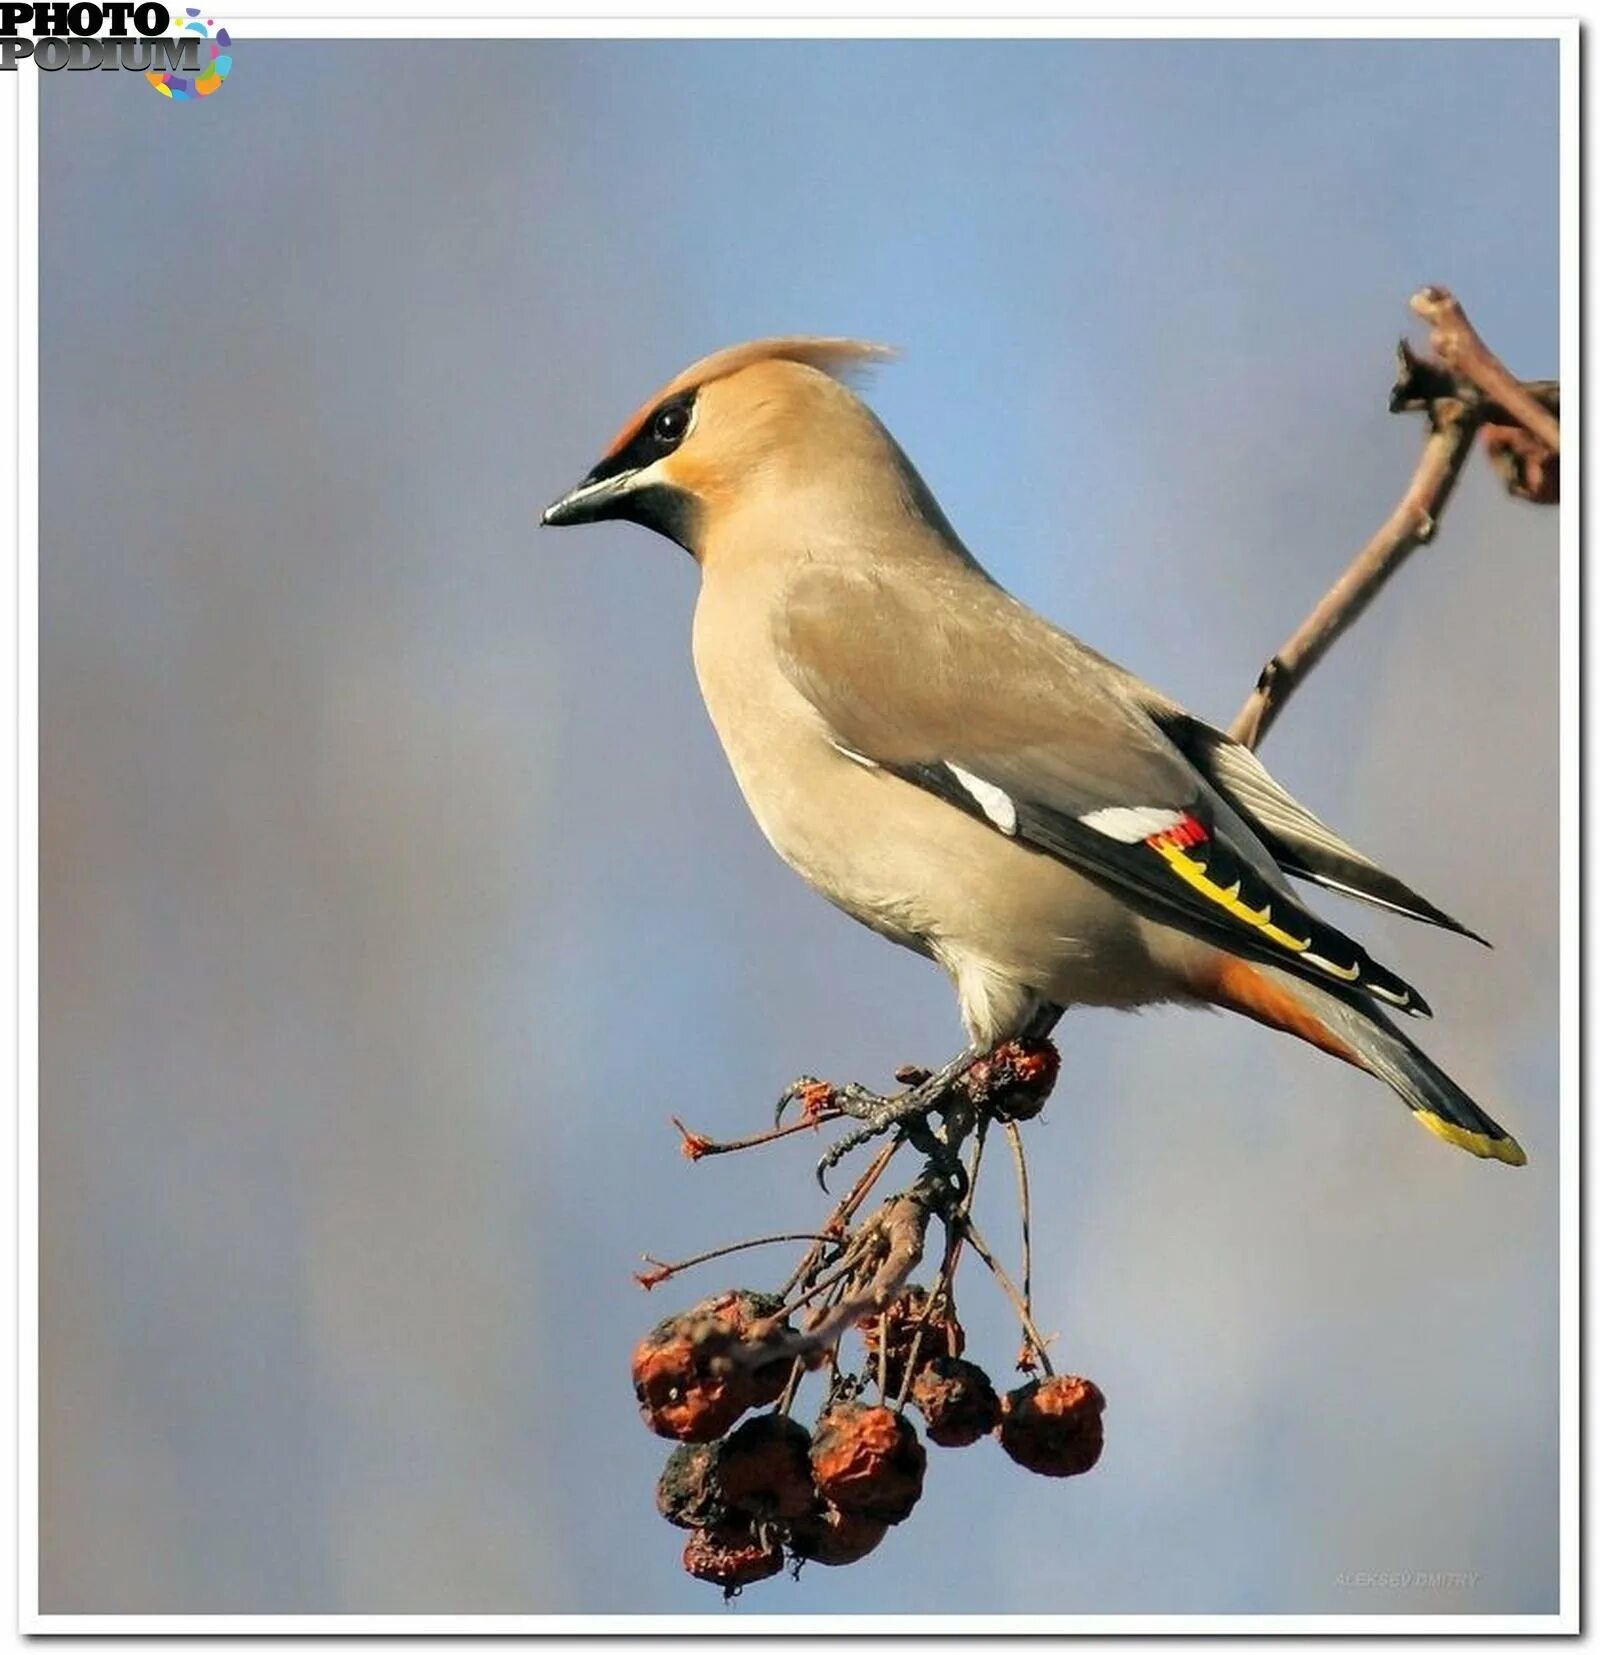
point(395, 890)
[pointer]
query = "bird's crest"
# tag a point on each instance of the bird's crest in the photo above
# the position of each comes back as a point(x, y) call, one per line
point(843, 359)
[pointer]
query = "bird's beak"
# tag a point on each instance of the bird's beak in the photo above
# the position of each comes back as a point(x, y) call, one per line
point(592, 501)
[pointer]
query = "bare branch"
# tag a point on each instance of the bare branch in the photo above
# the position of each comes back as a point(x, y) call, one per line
point(1467, 389)
point(1420, 382)
point(1456, 343)
point(1412, 523)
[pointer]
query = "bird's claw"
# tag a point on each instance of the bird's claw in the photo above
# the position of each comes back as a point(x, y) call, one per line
point(836, 1152)
point(927, 1092)
point(906, 1112)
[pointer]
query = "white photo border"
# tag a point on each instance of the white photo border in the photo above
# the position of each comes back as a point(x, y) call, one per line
point(19, 171)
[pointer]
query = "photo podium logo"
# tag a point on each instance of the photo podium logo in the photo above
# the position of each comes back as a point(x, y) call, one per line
point(183, 57)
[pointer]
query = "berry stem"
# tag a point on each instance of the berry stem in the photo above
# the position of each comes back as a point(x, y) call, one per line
point(1020, 1161)
point(997, 1270)
point(696, 1145)
point(661, 1271)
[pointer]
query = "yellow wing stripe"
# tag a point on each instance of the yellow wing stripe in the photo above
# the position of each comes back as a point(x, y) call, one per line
point(1475, 1143)
point(1256, 916)
point(1194, 873)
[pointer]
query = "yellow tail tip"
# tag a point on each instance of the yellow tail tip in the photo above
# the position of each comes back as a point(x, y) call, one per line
point(1475, 1143)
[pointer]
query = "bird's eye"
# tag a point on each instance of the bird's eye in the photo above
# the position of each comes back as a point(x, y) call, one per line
point(669, 425)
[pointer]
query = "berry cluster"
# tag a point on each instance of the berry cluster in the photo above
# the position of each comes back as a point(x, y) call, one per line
point(756, 1493)
point(752, 1485)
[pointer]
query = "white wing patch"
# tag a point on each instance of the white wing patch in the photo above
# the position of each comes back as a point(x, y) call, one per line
point(1132, 824)
point(1403, 1001)
point(1346, 973)
point(994, 802)
point(855, 757)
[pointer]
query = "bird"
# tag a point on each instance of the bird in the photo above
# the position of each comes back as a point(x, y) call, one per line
point(964, 777)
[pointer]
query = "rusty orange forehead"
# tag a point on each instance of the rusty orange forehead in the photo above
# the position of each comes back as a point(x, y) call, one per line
point(838, 357)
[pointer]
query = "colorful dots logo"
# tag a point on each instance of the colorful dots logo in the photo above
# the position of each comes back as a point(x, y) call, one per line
point(212, 74)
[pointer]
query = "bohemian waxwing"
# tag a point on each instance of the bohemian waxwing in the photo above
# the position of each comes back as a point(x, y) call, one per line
point(956, 773)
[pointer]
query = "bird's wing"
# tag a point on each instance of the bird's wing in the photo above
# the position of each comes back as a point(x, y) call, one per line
point(1298, 842)
point(952, 685)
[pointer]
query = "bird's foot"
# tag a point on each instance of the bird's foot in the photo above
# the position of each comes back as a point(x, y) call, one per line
point(1011, 1082)
point(925, 1139)
point(907, 1112)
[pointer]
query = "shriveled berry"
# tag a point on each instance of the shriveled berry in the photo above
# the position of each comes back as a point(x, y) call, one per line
point(907, 1326)
point(833, 1537)
point(692, 1373)
point(680, 1392)
point(764, 1468)
point(1054, 1426)
point(956, 1400)
point(1016, 1079)
point(751, 1317)
point(1528, 469)
point(867, 1461)
point(687, 1492)
point(731, 1557)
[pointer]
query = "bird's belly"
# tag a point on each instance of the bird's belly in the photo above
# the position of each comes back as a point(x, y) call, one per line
point(827, 818)
point(917, 870)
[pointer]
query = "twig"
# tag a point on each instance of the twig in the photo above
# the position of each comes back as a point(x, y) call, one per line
point(997, 1270)
point(839, 1276)
point(957, 1229)
point(844, 1212)
point(661, 1271)
point(1412, 523)
point(695, 1145)
point(898, 1230)
point(1456, 343)
point(900, 1225)
point(942, 1296)
point(1421, 382)
point(1468, 388)
point(1025, 1204)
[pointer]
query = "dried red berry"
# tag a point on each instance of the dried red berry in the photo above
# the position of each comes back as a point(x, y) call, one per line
point(731, 1557)
point(867, 1461)
point(957, 1401)
point(687, 1493)
point(688, 1374)
point(681, 1394)
point(751, 1317)
point(764, 1469)
point(907, 1326)
point(1529, 469)
point(833, 1537)
point(1053, 1426)
point(1016, 1078)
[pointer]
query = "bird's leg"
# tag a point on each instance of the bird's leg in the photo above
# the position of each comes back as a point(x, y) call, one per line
point(1016, 1074)
point(1009, 1082)
point(926, 1095)
point(907, 1110)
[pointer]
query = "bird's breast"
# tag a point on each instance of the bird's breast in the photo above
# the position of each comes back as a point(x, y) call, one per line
point(821, 811)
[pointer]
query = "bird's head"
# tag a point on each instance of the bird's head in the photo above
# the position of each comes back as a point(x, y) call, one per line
point(731, 426)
